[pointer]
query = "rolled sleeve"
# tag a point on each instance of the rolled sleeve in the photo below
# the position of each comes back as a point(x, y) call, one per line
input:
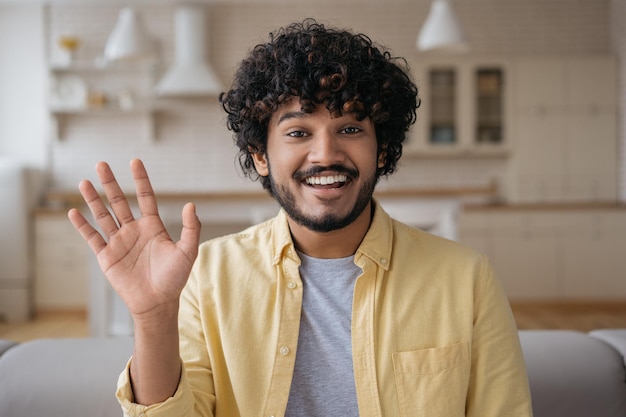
point(181, 404)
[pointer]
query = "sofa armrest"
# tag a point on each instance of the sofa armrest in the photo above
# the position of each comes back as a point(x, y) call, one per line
point(63, 377)
point(573, 375)
point(6, 345)
point(614, 337)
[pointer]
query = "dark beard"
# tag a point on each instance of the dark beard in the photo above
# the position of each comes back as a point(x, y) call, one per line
point(328, 222)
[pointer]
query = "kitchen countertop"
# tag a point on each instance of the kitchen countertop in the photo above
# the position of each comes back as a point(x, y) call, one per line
point(480, 198)
point(68, 199)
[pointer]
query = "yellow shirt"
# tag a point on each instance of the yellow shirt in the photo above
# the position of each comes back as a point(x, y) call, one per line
point(432, 331)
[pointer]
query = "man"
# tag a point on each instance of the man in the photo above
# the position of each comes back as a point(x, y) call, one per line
point(332, 307)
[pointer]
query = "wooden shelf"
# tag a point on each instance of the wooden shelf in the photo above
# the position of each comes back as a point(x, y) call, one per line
point(84, 89)
point(147, 114)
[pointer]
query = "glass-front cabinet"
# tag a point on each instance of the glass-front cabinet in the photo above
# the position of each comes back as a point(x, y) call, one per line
point(442, 121)
point(489, 105)
point(464, 108)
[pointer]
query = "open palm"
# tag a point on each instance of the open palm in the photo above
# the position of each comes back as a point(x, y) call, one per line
point(138, 257)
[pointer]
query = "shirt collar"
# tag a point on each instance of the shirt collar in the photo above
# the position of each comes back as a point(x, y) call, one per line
point(282, 242)
point(376, 244)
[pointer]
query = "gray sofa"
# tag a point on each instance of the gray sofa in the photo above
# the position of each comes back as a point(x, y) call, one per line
point(572, 374)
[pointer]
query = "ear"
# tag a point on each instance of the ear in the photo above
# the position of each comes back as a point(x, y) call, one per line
point(382, 158)
point(260, 163)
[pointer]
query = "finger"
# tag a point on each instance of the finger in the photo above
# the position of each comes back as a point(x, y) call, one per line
point(190, 235)
point(115, 195)
point(145, 194)
point(95, 241)
point(99, 211)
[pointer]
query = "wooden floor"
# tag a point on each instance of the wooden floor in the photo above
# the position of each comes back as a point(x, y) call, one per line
point(582, 316)
point(48, 325)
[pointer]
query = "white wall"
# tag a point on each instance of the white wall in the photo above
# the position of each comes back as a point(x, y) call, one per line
point(23, 83)
point(618, 32)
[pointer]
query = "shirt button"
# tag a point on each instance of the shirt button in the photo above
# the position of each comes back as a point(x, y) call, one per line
point(383, 261)
point(284, 350)
point(291, 285)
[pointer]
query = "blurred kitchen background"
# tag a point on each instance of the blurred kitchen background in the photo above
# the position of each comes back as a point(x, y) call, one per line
point(519, 147)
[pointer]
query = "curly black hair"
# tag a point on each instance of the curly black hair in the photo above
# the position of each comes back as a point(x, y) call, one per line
point(347, 72)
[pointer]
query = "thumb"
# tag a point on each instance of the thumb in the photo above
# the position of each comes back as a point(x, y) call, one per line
point(190, 235)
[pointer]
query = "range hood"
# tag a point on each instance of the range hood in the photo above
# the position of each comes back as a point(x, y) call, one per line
point(190, 74)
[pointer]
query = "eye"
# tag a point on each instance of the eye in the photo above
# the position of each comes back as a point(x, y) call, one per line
point(351, 130)
point(297, 134)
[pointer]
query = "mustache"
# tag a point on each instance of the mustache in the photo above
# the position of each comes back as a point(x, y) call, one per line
point(338, 168)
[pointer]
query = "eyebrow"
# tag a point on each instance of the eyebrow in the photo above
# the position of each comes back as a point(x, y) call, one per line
point(291, 115)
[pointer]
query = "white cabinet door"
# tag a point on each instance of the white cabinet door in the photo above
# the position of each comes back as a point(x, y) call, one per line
point(594, 256)
point(61, 275)
point(565, 130)
point(539, 85)
point(539, 158)
point(523, 248)
point(591, 82)
point(527, 266)
point(475, 231)
point(594, 268)
point(590, 166)
point(539, 131)
point(591, 135)
point(525, 251)
point(576, 254)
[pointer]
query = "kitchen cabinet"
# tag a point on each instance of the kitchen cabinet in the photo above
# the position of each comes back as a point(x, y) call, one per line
point(538, 162)
point(522, 247)
point(113, 91)
point(565, 130)
point(538, 253)
point(591, 160)
point(594, 247)
point(61, 270)
point(15, 241)
point(553, 118)
point(525, 245)
point(464, 110)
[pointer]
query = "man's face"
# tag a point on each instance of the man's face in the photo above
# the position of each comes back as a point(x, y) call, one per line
point(322, 169)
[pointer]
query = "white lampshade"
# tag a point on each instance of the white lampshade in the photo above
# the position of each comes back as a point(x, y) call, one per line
point(441, 30)
point(128, 39)
point(190, 74)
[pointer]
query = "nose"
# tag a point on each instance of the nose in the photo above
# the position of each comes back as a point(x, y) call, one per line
point(326, 149)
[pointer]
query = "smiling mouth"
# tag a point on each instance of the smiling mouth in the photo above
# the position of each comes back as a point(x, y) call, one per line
point(327, 181)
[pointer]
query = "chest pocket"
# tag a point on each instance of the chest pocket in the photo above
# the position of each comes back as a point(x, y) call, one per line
point(432, 382)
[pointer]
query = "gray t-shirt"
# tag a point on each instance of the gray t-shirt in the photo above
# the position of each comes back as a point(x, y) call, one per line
point(323, 380)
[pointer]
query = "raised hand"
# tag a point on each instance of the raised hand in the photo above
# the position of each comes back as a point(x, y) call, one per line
point(143, 264)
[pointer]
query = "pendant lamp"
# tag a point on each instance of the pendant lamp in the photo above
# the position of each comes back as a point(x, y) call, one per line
point(441, 30)
point(128, 40)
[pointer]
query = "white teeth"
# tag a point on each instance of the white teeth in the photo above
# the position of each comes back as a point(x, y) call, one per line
point(329, 179)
